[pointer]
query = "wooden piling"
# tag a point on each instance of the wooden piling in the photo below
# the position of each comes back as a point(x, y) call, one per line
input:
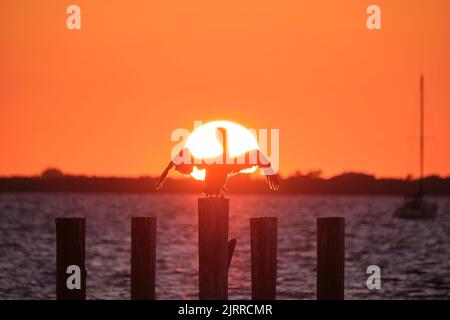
point(213, 248)
point(330, 258)
point(231, 246)
point(70, 259)
point(143, 258)
point(263, 238)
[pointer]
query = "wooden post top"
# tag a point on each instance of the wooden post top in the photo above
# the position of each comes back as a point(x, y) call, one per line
point(214, 199)
point(264, 219)
point(70, 219)
point(143, 219)
point(331, 219)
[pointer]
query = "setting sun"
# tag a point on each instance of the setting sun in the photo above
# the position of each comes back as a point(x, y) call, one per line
point(203, 143)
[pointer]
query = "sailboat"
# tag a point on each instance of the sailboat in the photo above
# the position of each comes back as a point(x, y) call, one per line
point(416, 207)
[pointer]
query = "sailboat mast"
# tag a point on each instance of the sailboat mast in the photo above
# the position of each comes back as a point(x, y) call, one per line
point(421, 132)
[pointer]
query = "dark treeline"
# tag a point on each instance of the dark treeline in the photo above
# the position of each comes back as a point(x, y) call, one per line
point(346, 184)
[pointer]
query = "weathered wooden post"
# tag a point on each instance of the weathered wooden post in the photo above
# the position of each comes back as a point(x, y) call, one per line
point(70, 259)
point(330, 258)
point(231, 246)
point(213, 248)
point(263, 238)
point(143, 258)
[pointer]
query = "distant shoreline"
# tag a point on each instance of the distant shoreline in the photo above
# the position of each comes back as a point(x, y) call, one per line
point(344, 184)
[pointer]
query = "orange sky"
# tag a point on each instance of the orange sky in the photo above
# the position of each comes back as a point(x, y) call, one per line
point(105, 99)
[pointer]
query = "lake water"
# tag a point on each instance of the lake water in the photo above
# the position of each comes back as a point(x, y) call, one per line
point(414, 256)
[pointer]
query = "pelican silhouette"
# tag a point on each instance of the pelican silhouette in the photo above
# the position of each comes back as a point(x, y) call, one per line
point(218, 172)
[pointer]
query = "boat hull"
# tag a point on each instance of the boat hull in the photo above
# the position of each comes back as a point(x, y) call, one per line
point(416, 210)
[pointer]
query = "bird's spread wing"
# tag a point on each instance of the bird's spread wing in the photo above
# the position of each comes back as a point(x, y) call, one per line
point(256, 158)
point(184, 161)
point(163, 176)
point(273, 182)
point(178, 162)
point(268, 171)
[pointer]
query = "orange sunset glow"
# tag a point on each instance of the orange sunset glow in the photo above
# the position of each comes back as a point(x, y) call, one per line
point(105, 99)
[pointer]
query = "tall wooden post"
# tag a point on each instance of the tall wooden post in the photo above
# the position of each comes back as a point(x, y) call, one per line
point(143, 258)
point(70, 259)
point(213, 248)
point(330, 258)
point(263, 238)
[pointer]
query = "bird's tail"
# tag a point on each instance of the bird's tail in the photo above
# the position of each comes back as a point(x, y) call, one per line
point(163, 176)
